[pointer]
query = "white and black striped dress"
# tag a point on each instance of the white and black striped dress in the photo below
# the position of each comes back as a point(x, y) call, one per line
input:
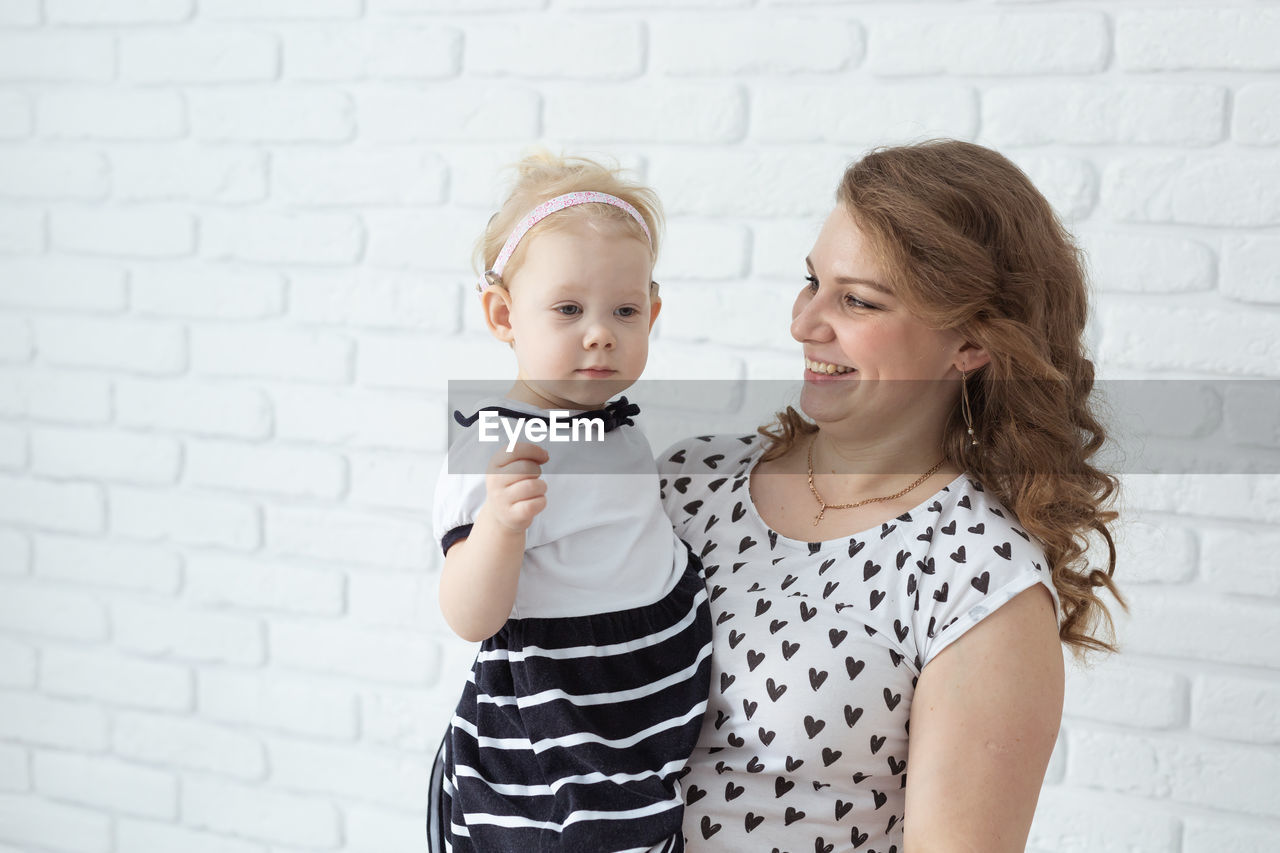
point(579, 715)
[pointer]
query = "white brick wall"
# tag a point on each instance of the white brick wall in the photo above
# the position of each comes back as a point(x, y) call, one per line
point(235, 240)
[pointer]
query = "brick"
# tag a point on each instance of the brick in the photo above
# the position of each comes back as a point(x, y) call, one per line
point(1251, 414)
point(20, 13)
point(372, 828)
point(53, 826)
point(410, 719)
point(306, 356)
point(159, 515)
point(1182, 770)
point(52, 612)
point(271, 700)
point(392, 480)
point(708, 113)
point(685, 319)
point(14, 454)
point(262, 814)
point(357, 537)
point(480, 174)
point(397, 361)
point(436, 241)
point(204, 173)
point(654, 4)
point(195, 57)
point(143, 347)
point(70, 453)
point(349, 772)
point(146, 837)
point(439, 6)
point(722, 45)
point(13, 766)
point(395, 657)
point(1205, 834)
point(74, 507)
point(1070, 184)
point(285, 238)
point(1242, 561)
point(17, 663)
point(127, 233)
point(361, 419)
point(375, 298)
point(53, 395)
point(865, 114)
point(22, 232)
point(207, 291)
point(1114, 826)
point(1127, 694)
point(990, 43)
point(15, 553)
point(15, 115)
point(52, 175)
point(736, 182)
point(779, 247)
point(59, 58)
point(1226, 631)
point(1148, 551)
point(1254, 116)
point(1240, 709)
point(106, 784)
point(1137, 334)
point(112, 115)
point(186, 633)
point(1142, 263)
point(404, 600)
point(270, 469)
point(1090, 114)
point(1178, 39)
point(1234, 497)
point(1251, 268)
point(136, 12)
point(520, 49)
point(1238, 190)
point(463, 112)
point(15, 340)
point(282, 9)
point(263, 584)
point(276, 115)
point(108, 563)
point(38, 720)
point(182, 742)
point(115, 679)
point(373, 51)
point(193, 406)
point(62, 284)
point(704, 250)
point(376, 177)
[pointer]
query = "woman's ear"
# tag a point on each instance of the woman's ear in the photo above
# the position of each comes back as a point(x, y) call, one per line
point(971, 357)
point(496, 304)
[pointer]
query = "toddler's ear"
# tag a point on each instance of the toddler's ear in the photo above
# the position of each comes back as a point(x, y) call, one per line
point(655, 306)
point(496, 304)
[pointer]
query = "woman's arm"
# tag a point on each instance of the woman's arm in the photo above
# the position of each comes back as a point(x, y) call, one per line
point(481, 573)
point(983, 724)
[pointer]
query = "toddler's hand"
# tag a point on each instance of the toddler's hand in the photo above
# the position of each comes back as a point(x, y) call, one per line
point(516, 490)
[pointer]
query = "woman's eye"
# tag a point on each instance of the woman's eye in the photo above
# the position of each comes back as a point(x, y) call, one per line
point(854, 302)
point(813, 282)
point(568, 310)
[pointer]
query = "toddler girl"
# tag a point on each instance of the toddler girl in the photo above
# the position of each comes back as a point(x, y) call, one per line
point(587, 694)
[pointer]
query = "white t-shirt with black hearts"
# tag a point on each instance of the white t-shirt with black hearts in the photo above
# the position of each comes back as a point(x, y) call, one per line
point(818, 646)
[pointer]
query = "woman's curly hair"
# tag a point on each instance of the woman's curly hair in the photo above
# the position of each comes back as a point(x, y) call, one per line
point(970, 244)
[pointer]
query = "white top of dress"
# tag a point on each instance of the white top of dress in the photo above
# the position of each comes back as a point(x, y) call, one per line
point(818, 646)
point(603, 542)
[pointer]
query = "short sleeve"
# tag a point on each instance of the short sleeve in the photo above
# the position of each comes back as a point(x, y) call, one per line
point(458, 499)
point(978, 570)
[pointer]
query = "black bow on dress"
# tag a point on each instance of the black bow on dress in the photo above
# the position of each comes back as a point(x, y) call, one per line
point(616, 414)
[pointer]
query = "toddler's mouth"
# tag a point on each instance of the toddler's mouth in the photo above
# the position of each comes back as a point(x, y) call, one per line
point(596, 372)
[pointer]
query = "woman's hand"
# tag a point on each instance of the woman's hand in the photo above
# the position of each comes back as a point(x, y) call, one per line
point(515, 489)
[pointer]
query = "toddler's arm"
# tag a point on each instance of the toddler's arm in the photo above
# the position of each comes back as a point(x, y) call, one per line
point(481, 572)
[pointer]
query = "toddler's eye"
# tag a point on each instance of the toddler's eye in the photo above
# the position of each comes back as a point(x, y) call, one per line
point(627, 311)
point(568, 310)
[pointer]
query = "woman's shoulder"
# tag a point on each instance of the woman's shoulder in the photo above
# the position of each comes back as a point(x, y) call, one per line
point(712, 455)
point(967, 509)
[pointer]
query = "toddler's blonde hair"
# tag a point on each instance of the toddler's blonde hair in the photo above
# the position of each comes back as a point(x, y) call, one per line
point(542, 175)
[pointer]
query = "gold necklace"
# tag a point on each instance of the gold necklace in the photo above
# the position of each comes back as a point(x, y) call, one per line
point(823, 506)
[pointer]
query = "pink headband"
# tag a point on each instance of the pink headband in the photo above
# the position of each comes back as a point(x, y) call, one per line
point(544, 210)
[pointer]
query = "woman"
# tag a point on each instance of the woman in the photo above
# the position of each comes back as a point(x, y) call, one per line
point(909, 558)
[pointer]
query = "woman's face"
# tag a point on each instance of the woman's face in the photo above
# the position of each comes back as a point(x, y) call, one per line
point(866, 357)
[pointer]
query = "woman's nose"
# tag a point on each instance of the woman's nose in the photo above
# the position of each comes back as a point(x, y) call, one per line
point(808, 318)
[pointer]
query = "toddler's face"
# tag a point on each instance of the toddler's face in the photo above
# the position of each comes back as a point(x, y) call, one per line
point(580, 316)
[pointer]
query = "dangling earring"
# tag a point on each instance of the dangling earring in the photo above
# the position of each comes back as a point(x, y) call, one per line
point(964, 408)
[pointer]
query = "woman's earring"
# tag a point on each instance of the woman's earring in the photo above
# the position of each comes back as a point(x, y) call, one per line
point(964, 408)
